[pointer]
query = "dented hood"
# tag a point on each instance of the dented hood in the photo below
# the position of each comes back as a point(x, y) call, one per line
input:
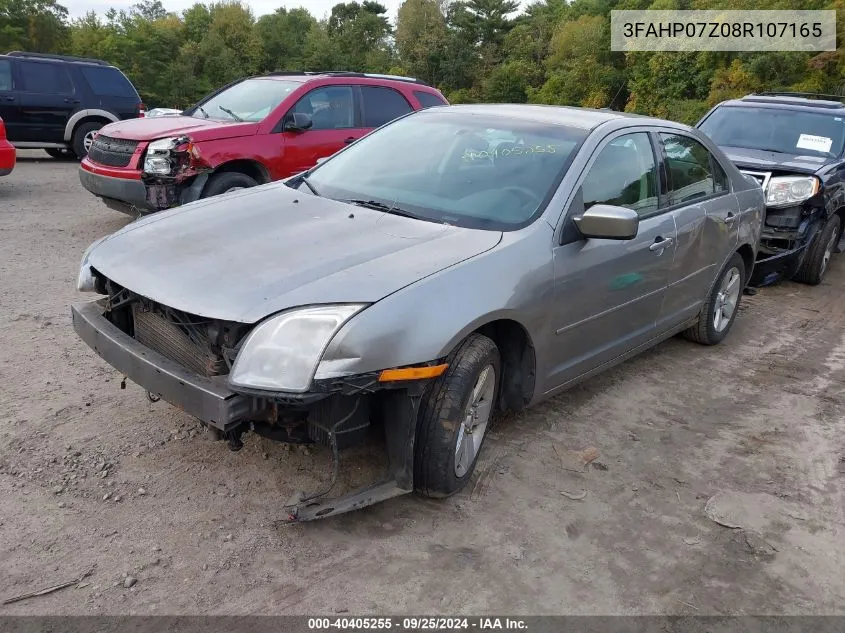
point(145, 129)
point(762, 160)
point(245, 255)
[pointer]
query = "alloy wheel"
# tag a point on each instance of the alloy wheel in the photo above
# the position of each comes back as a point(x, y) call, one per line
point(476, 420)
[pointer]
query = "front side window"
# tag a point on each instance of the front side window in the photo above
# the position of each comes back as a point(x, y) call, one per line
point(382, 105)
point(330, 108)
point(472, 170)
point(44, 78)
point(690, 170)
point(6, 75)
point(624, 174)
point(776, 130)
point(249, 100)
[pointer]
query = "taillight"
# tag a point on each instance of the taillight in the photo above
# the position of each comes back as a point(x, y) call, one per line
point(2, 129)
point(141, 110)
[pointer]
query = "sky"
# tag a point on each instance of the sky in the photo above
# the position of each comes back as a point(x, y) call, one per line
point(318, 8)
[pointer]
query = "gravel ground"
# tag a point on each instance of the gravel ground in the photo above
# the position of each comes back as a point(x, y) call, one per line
point(95, 478)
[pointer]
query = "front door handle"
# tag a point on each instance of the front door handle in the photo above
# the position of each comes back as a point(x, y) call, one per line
point(660, 244)
point(349, 140)
point(69, 100)
point(729, 219)
point(10, 98)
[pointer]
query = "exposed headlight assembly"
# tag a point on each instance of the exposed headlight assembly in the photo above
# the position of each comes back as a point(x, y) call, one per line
point(785, 191)
point(282, 353)
point(163, 155)
point(85, 279)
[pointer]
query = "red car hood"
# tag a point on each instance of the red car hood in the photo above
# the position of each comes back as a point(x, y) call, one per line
point(160, 127)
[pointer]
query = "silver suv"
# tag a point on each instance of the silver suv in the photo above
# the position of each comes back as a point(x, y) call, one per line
point(454, 262)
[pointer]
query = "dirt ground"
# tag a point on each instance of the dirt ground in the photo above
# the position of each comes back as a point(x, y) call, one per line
point(92, 477)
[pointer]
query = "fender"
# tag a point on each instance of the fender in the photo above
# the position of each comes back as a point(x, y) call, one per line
point(78, 116)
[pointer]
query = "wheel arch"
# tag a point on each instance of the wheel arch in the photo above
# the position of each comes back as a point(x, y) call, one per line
point(747, 253)
point(87, 116)
point(519, 361)
point(247, 166)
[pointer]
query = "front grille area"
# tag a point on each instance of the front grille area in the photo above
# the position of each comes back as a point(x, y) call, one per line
point(114, 152)
point(761, 177)
point(172, 341)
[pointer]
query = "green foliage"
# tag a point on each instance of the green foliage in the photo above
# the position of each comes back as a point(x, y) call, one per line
point(553, 51)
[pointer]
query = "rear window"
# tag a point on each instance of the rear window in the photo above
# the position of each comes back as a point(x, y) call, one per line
point(108, 82)
point(382, 105)
point(428, 100)
point(776, 130)
point(44, 78)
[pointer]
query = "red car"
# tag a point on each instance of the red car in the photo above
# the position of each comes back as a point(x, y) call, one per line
point(7, 153)
point(253, 131)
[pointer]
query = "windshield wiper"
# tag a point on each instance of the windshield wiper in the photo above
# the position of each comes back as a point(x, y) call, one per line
point(380, 206)
point(304, 180)
point(204, 113)
point(230, 113)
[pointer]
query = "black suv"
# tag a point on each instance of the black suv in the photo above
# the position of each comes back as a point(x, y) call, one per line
point(58, 102)
point(792, 144)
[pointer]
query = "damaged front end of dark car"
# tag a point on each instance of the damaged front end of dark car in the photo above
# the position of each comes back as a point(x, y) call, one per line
point(792, 145)
point(794, 234)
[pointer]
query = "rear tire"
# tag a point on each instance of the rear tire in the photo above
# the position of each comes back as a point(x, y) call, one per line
point(453, 418)
point(725, 296)
point(83, 135)
point(227, 181)
point(816, 261)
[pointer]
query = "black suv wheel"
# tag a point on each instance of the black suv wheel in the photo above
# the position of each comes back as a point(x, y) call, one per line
point(83, 136)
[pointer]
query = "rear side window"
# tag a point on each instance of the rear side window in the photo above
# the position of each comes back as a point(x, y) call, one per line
point(108, 82)
point(690, 169)
point(382, 105)
point(427, 99)
point(44, 78)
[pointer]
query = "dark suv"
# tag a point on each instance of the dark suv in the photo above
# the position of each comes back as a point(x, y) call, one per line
point(58, 102)
point(792, 144)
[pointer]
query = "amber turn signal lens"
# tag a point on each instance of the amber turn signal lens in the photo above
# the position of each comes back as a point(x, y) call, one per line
point(412, 373)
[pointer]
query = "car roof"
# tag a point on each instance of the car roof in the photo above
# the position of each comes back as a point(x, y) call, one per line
point(50, 57)
point(304, 75)
point(583, 118)
point(796, 101)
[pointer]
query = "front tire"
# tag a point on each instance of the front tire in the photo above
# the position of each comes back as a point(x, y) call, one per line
point(719, 310)
point(454, 416)
point(817, 258)
point(227, 181)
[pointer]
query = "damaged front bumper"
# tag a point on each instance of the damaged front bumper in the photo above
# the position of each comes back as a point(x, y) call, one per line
point(135, 193)
point(782, 252)
point(229, 413)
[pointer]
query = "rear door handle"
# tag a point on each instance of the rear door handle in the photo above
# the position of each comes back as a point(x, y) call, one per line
point(729, 219)
point(349, 140)
point(69, 100)
point(10, 98)
point(660, 244)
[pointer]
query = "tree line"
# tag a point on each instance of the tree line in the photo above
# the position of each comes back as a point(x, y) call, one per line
point(553, 52)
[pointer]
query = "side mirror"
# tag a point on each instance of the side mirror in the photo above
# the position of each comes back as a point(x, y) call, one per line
point(298, 122)
point(322, 160)
point(607, 222)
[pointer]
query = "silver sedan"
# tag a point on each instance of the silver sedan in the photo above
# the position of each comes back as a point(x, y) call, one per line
point(456, 262)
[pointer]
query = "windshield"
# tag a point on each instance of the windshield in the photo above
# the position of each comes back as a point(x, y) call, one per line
point(470, 170)
point(776, 130)
point(250, 100)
